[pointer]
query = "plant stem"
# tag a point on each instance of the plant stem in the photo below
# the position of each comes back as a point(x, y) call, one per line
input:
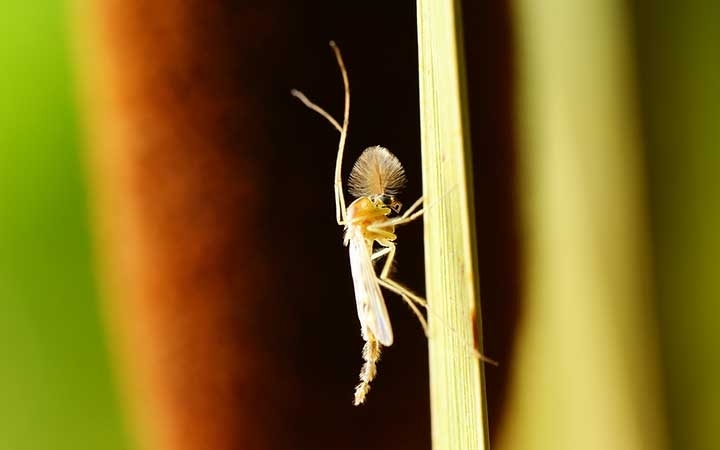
point(458, 412)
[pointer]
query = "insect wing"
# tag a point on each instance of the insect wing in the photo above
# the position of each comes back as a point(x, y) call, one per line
point(371, 308)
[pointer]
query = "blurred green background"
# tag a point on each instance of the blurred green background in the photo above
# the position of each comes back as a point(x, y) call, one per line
point(619, 107)
point(56, 390)
point(56, 387)
point(678, 48)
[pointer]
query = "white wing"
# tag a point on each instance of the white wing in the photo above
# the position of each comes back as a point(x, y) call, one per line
point(371, 308)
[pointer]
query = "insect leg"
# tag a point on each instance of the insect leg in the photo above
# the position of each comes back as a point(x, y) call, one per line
point(380, 253)
point(412, 299)
point(409, 298)
point(340, 208)
point(406, 219)
point(412, 208)
point(406, 294)
point(311, 105)
point(409, 215)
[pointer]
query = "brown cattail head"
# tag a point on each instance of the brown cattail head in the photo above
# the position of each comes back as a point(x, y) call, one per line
point(376, 171)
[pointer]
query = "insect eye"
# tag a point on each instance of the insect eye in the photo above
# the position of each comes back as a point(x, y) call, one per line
point(384, 200)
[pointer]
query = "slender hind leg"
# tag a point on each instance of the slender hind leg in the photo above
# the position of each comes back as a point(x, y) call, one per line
point(406, 294)
point(412, 299)
point(384, 279)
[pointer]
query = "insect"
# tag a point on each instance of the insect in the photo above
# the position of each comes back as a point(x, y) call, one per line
point(375, 180)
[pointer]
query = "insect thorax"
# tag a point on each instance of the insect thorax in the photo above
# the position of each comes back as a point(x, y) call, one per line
point(370, 219)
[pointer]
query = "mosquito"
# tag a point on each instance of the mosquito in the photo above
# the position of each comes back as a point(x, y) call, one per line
point(375, 180)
